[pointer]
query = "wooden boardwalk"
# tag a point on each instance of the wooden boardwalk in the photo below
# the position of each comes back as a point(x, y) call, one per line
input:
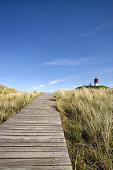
point(33, 139)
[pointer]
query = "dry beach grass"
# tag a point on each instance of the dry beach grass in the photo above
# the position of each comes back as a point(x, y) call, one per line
point(86, 115)
point(12, 101)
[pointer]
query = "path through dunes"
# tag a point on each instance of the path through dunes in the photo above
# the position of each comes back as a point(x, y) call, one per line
point(34, 139)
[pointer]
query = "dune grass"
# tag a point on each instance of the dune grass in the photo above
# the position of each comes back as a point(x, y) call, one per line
point(86, 115)
point(12, 101)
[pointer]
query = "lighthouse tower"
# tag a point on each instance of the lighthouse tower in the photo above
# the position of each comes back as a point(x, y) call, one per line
point(96, 81)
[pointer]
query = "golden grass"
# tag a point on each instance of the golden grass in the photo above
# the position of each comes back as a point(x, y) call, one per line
point(12, 101)
point(86, 116)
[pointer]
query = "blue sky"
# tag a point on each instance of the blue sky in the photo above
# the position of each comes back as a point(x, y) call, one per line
point(50, 44)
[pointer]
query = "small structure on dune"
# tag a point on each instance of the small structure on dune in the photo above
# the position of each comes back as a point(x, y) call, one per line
point(96, 82)
point(95, 86)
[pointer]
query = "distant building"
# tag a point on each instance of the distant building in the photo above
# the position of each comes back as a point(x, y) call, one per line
point(96, 82)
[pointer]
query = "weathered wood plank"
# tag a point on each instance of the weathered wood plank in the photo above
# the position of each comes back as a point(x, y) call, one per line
point(33, 149)
point(32, 154)
point(36, 167)
point(54, 122)
point(33, 124)
point(35, 117)
point(35, 162)
point(31, 139)
point(32, 144)
point(7, 133)
point(30, 131)
point(38, 127)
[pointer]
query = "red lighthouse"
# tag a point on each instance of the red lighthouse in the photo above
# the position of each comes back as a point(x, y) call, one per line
point(96, 81)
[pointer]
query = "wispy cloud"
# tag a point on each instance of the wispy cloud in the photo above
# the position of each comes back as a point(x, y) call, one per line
point(42, 85)
point(69, 62)
point(49, 83)
point(39, 86)
point(57, 81)
point(99, 27)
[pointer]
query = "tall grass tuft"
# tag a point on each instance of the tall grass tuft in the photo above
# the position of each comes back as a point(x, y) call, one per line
point(12, 101)
point(86, 115)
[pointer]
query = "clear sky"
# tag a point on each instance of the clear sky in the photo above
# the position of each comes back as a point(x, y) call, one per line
point(51, 44)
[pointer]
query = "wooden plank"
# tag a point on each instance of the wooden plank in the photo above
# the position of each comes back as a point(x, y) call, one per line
point(35, 119)
point(41, 129)
point(36, 167)
point(38, 121)
point(35, 162)
point(41, 116)
point(57, 120)
point(39, 107)
point(33, 154)
point(38, 126)
point(36, 115)
point(31, 139)
point(33, 149)
point(33, 124)
point(30, 131)
point(60, 134)
point(32, 144)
